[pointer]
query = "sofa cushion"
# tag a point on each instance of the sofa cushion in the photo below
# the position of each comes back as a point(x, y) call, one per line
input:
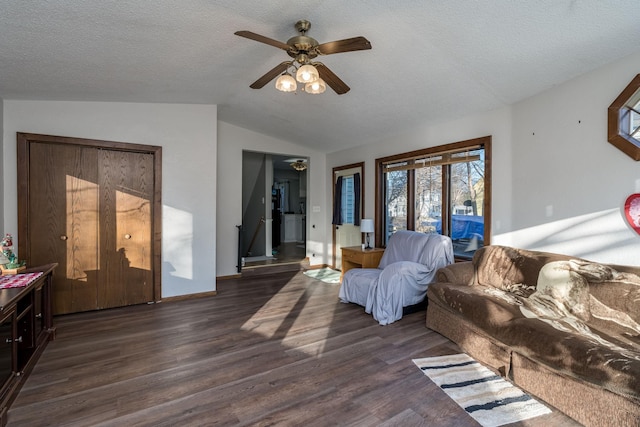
point(603, 361)
point(592, 355)
point(473, 303)
point(505, 267)
point(624, 296)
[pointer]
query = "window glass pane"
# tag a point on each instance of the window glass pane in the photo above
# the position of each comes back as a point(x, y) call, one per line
point(634, 130)
point(428, 199)
point(438, 191)
point(347, 200)
point(466, 203)
point(396, 202)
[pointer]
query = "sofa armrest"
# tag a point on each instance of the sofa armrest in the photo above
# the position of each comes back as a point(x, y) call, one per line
point(459, 273)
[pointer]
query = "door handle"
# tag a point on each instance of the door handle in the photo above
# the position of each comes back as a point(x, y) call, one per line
point(63, 237)
point(127, 236)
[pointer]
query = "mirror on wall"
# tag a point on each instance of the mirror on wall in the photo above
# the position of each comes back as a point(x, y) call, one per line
point(624, 120)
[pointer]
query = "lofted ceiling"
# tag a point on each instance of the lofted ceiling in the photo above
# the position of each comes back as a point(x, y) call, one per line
point(431, 61)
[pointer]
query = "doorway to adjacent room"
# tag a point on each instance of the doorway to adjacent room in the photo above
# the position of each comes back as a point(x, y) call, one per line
point(274, 197)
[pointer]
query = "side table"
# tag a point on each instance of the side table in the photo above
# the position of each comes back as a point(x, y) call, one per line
point(356, 257)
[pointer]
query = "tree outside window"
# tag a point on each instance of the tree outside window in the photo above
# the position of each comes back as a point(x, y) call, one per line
point(437, 190)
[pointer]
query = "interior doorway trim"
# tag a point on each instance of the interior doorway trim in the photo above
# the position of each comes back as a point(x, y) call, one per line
point(334, 171)
point(24, 141)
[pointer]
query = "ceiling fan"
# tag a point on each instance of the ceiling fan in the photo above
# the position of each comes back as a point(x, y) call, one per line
point(303, 49)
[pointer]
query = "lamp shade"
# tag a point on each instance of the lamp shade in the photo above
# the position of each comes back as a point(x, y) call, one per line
point(307, 73)
point(316, 87)
point(366, 226)
point(286, 83)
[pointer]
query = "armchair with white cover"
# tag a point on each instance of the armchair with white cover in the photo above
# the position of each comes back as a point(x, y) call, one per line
point(407, 267)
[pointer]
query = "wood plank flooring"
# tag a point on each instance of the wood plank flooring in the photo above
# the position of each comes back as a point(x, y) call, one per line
point(277, 349)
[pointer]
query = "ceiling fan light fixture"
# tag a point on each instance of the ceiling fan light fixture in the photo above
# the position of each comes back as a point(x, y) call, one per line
point(304, 49)
point(315, 87)
point(307, 73)
point(299, 165)
point(286, 83)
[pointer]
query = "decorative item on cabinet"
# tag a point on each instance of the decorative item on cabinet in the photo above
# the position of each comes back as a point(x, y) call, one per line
point(9, 263)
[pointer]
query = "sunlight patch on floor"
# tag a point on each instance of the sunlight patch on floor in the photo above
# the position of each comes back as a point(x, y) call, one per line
point(268, 320)
point(273, 319)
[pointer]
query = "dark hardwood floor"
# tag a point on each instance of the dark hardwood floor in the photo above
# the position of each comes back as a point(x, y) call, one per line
point(274, 349)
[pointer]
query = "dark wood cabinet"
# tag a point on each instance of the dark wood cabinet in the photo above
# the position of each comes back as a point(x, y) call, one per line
point(26, 326)
point(6, 353)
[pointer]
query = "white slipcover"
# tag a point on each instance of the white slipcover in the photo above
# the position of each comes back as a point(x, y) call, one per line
point(408, 265)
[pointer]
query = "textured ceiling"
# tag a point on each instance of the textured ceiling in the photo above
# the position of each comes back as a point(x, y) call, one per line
point(430, 61)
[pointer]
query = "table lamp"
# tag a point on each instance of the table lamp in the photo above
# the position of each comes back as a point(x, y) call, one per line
point(366, 226)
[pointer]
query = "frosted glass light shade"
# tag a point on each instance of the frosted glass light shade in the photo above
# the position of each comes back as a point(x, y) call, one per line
point(286, 83)
point(307, 73)
point(366, 226)
point(315, 87)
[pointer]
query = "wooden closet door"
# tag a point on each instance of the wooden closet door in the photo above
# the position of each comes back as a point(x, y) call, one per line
point(63, 220)
point(126, 192)
point(93, 207)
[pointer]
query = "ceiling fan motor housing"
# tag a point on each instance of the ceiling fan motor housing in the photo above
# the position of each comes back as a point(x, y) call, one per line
point(302, 44)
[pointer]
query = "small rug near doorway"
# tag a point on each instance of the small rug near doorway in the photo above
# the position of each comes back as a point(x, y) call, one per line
point(490, 399)
point(327, 275)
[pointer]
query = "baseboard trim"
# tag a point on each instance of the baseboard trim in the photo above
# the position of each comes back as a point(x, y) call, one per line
point(190, 296)
point(229, 277)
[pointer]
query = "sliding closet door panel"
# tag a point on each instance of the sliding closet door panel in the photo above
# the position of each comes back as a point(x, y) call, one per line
point(126, 196)
point(63, 221)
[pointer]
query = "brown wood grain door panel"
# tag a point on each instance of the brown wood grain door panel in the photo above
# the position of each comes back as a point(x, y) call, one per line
point(63, 216)
point(126, 191)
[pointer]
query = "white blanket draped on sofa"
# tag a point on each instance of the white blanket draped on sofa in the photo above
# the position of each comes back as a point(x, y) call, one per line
point(408, 265)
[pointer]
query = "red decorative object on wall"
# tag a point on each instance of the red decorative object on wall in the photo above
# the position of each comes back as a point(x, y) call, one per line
point(632, 211)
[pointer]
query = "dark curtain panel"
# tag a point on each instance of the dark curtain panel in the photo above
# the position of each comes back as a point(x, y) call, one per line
point(356, 199)
point(337, 203)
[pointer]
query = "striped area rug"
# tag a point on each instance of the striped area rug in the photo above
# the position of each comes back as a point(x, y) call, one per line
point(488, 398)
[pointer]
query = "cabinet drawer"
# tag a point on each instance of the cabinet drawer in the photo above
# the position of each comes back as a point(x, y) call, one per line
point(351, 256)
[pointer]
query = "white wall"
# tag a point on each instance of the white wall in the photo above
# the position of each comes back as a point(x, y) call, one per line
point(558, 185)
point(569, 183)
point(232, 140)
point(187, 135)
point(1, 163)
point(495, 123)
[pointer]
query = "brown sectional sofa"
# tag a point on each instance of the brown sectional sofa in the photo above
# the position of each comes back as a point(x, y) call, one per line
point(564, 329)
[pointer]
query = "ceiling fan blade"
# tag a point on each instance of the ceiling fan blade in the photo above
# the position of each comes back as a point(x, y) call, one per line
point(262, 39)
point(331, 79)
point(346, 45)
point(270, 75)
